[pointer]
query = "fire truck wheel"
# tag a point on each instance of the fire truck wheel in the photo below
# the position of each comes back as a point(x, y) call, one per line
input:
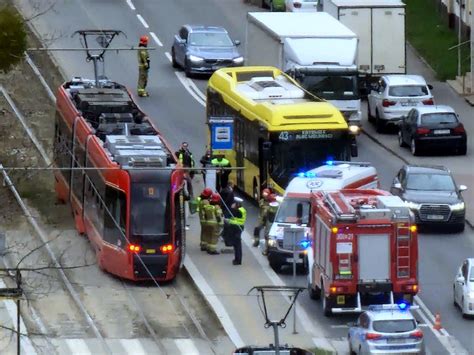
point(326, 308)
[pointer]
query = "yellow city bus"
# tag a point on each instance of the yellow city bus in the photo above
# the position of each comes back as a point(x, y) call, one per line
point(278, 128)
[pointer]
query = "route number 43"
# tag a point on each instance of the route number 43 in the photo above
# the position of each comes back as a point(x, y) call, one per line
point(283, 136)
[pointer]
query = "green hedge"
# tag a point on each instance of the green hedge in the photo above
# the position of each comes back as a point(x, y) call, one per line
point(12, 39)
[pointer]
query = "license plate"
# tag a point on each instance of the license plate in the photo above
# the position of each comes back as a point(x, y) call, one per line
point(441, 131)
point(408, 103)
point(341, 299)
point(151, 251)
point(396, 341)
point(290, 260)
point(436, 217)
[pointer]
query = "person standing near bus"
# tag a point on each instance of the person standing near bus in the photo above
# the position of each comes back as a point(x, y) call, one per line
point(215, 220)
point(204, 200)
point(143, 66)
point(223, 171)
point(236, 226)
point(205, 163)
point(263, 205)
point(185, 158)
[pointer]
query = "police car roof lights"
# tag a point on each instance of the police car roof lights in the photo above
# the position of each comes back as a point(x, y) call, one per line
point(330, 162)
point(401, 306)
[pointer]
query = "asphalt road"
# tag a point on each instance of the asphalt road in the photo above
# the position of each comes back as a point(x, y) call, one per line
point(181, 117)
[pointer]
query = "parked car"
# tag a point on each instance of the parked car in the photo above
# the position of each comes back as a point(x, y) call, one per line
point(393, 96)
point(432, 195)
point(204, 49)
point(301, 5)
point(386, 329)
point(274, 5)
point(432, 127)
point(463, 288)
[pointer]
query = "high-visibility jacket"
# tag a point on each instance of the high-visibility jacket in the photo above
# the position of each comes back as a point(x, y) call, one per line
point(185, 158)
point(143, 58)
point(239, 221)
point(220, 163)
point(213, 214)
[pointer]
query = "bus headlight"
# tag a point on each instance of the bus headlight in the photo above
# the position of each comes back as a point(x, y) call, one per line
point(457, 206)
point(354, 129)
point(195, 59)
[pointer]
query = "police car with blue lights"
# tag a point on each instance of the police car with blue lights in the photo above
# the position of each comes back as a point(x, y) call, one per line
point(386, 329)
point(332, 176)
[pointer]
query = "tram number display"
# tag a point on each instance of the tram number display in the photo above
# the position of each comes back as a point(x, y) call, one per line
point(304, 135)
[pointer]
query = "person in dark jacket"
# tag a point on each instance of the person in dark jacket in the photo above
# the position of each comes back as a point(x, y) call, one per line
point(227, 199)
point(205, 163)
point(236, 226)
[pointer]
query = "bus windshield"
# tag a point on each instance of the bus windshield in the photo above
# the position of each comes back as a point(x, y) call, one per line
point(332, 87)
point(291, 157)
point(150, 210)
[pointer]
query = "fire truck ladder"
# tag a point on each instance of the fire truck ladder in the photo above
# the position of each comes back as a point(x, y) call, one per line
point(348, 215)
point(403, 251)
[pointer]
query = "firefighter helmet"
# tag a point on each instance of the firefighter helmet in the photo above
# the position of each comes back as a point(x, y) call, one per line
point(144, 39)
point(207, 192)
point(272, 198)
point(215, 198)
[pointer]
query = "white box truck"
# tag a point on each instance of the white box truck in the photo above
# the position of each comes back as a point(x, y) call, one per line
point(380, 26)
point(315, 49)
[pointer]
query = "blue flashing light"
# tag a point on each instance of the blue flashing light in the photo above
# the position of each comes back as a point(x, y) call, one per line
point(330, 162)
point(403, 306)
point(301, 174)
point(305, 243)
point(310, 174)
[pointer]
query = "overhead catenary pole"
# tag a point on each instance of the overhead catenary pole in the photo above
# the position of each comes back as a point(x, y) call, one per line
point(472, 46)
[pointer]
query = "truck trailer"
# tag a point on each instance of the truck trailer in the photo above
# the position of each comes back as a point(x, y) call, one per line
point(364, 250)
point(315, 49)
point(380, 26)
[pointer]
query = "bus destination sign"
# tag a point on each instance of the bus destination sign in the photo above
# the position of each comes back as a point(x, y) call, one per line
point(304, 135)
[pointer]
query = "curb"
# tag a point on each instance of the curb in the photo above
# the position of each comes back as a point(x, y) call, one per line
point(390, 150)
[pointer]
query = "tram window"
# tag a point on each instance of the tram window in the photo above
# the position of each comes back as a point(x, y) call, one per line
point(114, 216)
point(178, 217)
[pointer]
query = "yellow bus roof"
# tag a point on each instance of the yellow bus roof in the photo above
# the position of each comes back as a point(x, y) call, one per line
point(268, 94)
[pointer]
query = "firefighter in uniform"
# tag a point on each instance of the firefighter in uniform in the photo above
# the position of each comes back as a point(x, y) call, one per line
point(263, 205)
point(203, 201)
point(236, 226)
point(215, 221)
point(143, 66)
point(271, 213)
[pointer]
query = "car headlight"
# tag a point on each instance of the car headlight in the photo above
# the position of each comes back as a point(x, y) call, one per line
point(238, 60)
point(355, 116)
point(413, 205)
point(271, 242)
point(195, 59)
point(458, 206)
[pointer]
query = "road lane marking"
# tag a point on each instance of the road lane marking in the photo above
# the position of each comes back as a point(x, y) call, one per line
point(214, 301)
point(157, 40)
point(187, 86)
point(186, 346)
point(133, 346)
point(196, 89)
point(130, 4)
point(168, 56)
point(78, 346)
point(142, 20)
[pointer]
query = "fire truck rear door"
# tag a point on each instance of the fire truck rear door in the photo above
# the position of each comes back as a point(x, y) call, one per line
point(374, 257)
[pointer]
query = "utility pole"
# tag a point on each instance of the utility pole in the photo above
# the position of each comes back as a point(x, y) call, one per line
point(459, 37)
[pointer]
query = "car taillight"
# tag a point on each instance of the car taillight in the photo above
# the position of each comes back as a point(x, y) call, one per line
point(422, 130)
point(459, 129)
point(134, 248)
point(167, 248)
point(297, 5)
point(417, 334)
point(387, 103)
point(428, 102)
point(372, 336)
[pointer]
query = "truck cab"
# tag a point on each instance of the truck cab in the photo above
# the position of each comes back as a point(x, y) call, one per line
point(332, 176)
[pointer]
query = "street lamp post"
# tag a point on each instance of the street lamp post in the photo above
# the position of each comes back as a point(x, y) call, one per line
point(459, 37)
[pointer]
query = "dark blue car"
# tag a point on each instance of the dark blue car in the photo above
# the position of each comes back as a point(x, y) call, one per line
point(204, 49)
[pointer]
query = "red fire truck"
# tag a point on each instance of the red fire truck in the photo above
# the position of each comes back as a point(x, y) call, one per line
point(364, 250)
point(121, 180)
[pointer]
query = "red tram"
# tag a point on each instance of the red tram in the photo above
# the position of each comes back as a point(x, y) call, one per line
point(128, 199)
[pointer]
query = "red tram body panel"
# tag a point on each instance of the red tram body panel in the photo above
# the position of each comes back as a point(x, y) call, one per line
point(123, 183)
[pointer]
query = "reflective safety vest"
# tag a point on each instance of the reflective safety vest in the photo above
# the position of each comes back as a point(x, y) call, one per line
point(223, 162)
point(239, 221)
